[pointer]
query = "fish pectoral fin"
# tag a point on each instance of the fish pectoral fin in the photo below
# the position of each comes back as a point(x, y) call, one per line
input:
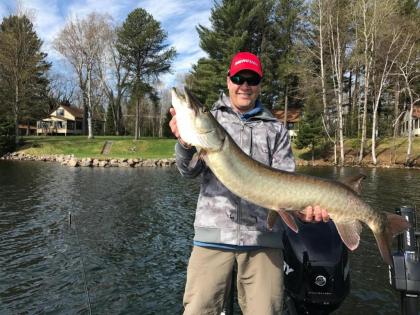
point(196, 157)
point(271, 218)
point(350, 233)
point(287, 218)
point(193, 161)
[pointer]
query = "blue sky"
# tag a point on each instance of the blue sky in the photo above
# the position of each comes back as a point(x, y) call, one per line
point(177, 17)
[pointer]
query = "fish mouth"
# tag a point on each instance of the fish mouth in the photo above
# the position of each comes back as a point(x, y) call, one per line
point(188, 100)
point(192, 101)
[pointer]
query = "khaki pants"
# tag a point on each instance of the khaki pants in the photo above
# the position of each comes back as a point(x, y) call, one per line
point(259, 281)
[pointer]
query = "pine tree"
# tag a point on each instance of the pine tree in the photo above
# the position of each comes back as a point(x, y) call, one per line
point(141, 43)
point(279, 55)
point(236, 26)
point(109, 124)
point(311, 133)
point(266, 28)
point(23, 68)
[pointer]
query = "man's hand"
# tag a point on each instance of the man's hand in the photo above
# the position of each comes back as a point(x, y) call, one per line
point(172, 123)
point(315, 213)
point(174, 128)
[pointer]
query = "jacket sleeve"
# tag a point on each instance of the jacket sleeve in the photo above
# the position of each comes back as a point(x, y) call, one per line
point(183, 157)
point(282, 156)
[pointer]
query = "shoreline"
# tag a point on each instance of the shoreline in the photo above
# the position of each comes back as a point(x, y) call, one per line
point(72, 161)
point(380, 164)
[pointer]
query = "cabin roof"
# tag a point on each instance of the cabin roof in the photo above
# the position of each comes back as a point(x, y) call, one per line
point(76, 112)
point(293, 114)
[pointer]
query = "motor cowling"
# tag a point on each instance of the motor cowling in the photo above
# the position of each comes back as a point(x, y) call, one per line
point(316, 269)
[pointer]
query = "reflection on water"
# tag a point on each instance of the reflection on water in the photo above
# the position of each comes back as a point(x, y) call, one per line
point(135, 232)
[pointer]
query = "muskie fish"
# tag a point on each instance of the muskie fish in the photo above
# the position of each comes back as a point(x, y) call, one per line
point(278, 190)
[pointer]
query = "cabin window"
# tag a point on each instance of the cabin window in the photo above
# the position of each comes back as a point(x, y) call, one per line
point(60, 112)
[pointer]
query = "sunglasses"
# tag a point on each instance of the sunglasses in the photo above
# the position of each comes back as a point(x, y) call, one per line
point(239, 80)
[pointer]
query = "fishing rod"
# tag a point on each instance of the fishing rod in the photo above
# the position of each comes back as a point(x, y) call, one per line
point(72, 222)
point(405, 273)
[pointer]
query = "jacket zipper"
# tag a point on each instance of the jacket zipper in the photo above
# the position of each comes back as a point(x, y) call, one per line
point(238, 234)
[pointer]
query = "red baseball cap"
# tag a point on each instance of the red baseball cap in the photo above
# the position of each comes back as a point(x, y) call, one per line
point(245, 61)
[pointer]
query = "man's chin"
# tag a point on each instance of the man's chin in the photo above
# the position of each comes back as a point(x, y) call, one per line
point(245, 103)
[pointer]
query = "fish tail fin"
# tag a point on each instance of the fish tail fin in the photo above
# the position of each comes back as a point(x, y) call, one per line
point(396, 224)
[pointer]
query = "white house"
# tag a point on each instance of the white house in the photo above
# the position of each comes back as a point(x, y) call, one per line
point(65, 120)
point(415, 120)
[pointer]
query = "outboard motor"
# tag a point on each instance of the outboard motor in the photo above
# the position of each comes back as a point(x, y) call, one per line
point(316, 269)
point(405, 274)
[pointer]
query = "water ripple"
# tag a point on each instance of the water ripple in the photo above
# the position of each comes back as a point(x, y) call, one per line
point(133, 230)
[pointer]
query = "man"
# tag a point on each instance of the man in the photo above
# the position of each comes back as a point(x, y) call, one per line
point(227, 228)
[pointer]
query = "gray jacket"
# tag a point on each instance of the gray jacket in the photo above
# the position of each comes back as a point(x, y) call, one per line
point(221, 216)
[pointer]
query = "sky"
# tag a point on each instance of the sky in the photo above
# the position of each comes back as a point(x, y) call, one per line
point(177, 17)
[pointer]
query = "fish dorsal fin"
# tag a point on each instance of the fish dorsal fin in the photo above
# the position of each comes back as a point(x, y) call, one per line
point(350, 233)
point(354, 182)
point(288, 218)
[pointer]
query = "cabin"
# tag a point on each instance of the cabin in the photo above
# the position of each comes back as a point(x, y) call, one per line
point(415, 122)
point(26, 129)
point(293, 118)
point(65, 120)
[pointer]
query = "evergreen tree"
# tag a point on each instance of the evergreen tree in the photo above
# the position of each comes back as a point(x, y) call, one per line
point(266, 28)
point(311, 133)
point(23, 68)
point(109, 124)
point(166, 130)
point(279, 55)
point(141, 44)
point(236, 26)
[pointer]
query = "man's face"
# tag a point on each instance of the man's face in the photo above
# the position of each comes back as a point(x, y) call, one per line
point(243, 94)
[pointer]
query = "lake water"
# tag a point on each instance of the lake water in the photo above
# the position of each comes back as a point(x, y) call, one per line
point(131, 235)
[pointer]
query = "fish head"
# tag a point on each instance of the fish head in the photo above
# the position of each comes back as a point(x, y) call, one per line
point(195, 122)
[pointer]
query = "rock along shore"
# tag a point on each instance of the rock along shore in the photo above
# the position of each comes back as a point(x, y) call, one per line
point(71, 161)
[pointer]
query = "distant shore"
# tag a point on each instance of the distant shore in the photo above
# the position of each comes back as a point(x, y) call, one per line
point(80, 151)
point(72, 161)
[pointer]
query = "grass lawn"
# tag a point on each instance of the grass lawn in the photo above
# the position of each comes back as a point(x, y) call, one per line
point(388, 150)
point(81, 146)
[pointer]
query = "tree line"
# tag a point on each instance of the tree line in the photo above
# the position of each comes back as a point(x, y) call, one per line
point(350, 66)
point(115, 71)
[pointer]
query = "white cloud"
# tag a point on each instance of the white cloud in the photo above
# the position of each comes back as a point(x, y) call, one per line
point(81, 8)
point(163, 10)
point(46, 18)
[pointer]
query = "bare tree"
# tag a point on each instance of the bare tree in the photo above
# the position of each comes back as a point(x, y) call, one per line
point(317, 49)
point(82, 43)
point(339, 39)
point(408, 69)
point(379, 37)
point(367, 37)
point(390, 58)
point(113, 77)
